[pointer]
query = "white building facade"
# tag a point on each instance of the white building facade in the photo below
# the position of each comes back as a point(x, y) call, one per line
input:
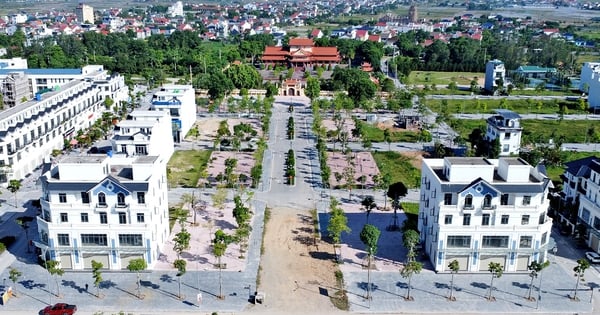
point(590, 83)
point(110, 208)
point(477, 211)
point(506, 127)
point(29, 132)
point(494, 70)
point(581, 186)
point(180, 102)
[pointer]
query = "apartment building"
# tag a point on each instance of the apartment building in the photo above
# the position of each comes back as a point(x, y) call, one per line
point(110, 207)
point(30, 131)
point(506, 126)
point(84, 13)
point(581, 187)
point(590, 83)
point(477, 210)
point(494, 72)
point(180, 102)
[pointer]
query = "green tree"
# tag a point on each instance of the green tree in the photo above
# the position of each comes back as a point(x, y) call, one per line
point(180, 265)
point(370, 236)
point(14, 274)
point(219, 198)
point(495, 270)
point(220, 243)
point(338, 223)
point(97, 275)
point(454, 267)
point(534, 270)
point(14, 186)
point(582, 265)
point(410, 239)
point(411, 268)
point(313, 88)
point(55, 271)
point(241, 213)
point(189, 199)
point(368, 204)
point(137, 265)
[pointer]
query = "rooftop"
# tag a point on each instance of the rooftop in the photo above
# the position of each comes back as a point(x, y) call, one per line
point(508, 114)
point(468, 161)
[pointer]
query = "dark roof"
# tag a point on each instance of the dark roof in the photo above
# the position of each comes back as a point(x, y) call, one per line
point(575, 167)
point(502, 188)
point(509, 114)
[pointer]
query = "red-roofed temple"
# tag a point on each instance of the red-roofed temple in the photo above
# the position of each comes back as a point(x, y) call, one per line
point(302, 54)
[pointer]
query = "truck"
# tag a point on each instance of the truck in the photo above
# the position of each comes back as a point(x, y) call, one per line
point(60, 309)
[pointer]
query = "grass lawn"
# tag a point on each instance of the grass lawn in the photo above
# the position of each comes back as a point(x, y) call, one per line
point(442, 78)
point(374, 134)
point(474, 106)
point(411, 207)
point(541, 131)
point(534, 130)
point(185, 166)
point(399, 167)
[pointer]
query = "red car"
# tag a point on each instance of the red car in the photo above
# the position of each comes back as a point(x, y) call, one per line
point(60, 309)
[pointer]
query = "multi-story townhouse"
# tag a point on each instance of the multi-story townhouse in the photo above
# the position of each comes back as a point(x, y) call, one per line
point(180, 102)
point(477, 210)
point(495, 72)
point(581, 187)
point(590, 83)
point(30, 131)
point(506, 126)
point(110, 207)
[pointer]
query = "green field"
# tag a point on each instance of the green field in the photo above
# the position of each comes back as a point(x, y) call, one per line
point(474, 106)
point(184, 167)
point(374, 134)
point(442, 79)
point(399, 167)
point(535, 130)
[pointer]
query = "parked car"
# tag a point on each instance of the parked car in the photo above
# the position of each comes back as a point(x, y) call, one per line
point(60, 309)
point(593, 257)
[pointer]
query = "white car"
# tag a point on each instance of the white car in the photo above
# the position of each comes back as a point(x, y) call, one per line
point(593, 257)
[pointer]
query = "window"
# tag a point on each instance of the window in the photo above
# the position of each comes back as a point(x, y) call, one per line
point(63, 239)
point(596, 223)
point(93, 240)
point(504, 200)
point(103, 218)
point(141, 197)
point(122, 218)
point(467, 219)
point(102, 199)
point(462, 241)
point(469, 202)
point(505, 148)
point(542, 219)
point(140, 149)
point(84, 218)
point(495, 241)
point(487, 201)
point(64, 217)
point(525, 219)
point(62, 198)
point(485, 219)
point(120, 200)
point(504, 219)
point(525, 242)
point(448, 219)
point(447, 199)
point(507, 135)
point(526, 200)
point(141, 218)
point(130, 239)
point(544, 238)
point(85, 197)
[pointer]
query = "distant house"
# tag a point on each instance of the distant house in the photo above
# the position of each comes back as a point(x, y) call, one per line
point(316, 33)
point(535, 72)
point(362, 35)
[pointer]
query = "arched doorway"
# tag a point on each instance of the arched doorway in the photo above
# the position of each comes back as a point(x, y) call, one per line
point(291, 92)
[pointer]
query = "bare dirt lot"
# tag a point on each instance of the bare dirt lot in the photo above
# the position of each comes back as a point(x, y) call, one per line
point(297, 273)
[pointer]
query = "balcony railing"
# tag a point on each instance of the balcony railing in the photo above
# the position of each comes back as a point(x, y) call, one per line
point(468, 207)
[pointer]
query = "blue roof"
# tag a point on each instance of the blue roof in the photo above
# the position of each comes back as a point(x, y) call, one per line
point(62, 71)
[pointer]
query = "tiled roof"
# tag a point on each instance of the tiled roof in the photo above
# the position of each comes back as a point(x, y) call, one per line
point(301, 42)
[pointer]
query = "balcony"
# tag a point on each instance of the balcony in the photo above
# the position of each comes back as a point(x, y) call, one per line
point(468, 207)
point(488, 207)
point(121, 205)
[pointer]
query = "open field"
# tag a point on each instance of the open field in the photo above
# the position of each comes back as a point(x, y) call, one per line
point(374, 133)
point(402, 167)
point(473, 106)
point(554, 172)
point(184, 167)
point(442, 79)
